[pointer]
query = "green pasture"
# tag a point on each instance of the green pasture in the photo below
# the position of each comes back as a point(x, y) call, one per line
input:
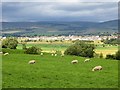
point(100, 47)
point(56, 72)
point(106, 50)
point(47, 47)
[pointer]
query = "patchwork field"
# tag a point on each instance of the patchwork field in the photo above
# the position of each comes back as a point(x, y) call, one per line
point(56, 72)
point(106, 50)
point(48, 47)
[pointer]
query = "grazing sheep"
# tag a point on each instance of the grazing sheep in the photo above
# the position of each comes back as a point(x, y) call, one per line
point(32, 62)
point(86, 60)
point(41, 54)
point(1, 52)
point(55, 54)
point(74, 61)
point(6, 54)
point(97, 68)
point(52, 54)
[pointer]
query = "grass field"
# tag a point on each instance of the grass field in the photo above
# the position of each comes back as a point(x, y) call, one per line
point(106, 50)
point(56, 72)
point(47, 47)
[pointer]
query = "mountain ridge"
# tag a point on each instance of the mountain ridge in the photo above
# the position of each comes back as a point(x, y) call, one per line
point(59, 28)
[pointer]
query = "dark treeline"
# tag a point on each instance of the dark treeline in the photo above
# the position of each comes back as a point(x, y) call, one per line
point(112, 41)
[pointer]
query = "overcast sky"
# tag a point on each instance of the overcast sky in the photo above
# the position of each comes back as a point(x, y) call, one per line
point(59, 11)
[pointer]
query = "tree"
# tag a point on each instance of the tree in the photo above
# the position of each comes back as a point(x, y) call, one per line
point(101, 55)
point(81, 48)
point(10, 43)
point(4, 43)
point(110, 56)
point(117, 55)
point(112, 41)
point(89, 52)
point(24, 46)
point(103, 45)
point(33, 50)
point(73, 50)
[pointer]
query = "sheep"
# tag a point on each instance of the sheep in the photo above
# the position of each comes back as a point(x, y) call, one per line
point(52, 54)
point(86, 60)
point(41, 54)
point(74, 61)
point(1, 52)
point(32, 62)
point(6, 54)
point(97, 68)
point(55, 54)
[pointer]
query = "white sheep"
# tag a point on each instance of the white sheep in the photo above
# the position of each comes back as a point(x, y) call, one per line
point(52, 54)
point(86, 60)
point(1, 52)
point(41, 54)
point(32, 62)
point(6, 54)
point(55, 54)
point(97, 68)
point(74, 61)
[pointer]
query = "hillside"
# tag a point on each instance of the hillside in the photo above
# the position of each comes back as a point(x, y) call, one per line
point(56, 72)
point(58, 28)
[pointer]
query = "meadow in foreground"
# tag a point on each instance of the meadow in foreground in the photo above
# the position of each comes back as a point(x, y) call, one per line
point(56, 72)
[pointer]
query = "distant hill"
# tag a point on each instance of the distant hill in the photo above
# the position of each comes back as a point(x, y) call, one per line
point(113, 23)
point(58, 28)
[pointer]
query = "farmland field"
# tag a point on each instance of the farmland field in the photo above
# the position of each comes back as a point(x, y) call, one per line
point(106, 50)
point(56, 72)
point(47, 47)
point(59, 44)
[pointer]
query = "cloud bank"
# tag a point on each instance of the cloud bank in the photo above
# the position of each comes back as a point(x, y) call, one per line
point(59, 11)
point(60, 0)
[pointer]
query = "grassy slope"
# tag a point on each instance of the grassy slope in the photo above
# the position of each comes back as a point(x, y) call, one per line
point(54, 72)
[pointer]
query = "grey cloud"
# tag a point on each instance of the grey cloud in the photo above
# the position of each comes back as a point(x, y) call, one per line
point(60, 0)
point(85, 6)
point(44, 11)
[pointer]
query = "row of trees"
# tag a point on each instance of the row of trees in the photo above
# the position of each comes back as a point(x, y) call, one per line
point(79, 48)
point(12, 43)
point(87, 50)
point(114, 56)
point(112, 41)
